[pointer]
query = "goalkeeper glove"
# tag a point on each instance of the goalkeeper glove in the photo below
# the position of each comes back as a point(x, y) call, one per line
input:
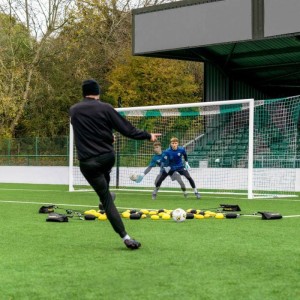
point(140, 178)
point(167, 169)
point(187, 166)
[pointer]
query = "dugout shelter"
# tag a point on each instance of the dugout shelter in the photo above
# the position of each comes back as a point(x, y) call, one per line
point(250, 48)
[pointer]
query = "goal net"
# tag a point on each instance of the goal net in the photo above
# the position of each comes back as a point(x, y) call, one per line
point(276, 155)
point(237, 146)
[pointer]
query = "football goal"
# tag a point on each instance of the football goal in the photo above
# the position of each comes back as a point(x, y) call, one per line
point(235, 146)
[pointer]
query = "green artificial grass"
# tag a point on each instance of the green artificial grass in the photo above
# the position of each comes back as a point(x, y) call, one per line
point(243, 258)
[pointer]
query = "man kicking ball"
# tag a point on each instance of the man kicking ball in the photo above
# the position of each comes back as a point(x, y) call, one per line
point(93, 122)
point(156, 161)
point(171, 163)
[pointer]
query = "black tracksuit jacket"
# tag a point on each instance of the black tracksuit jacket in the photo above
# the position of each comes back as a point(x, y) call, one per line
point(93, 123)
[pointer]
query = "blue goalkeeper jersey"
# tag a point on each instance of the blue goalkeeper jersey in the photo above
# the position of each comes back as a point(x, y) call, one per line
point(173, 158)
point(156, 160)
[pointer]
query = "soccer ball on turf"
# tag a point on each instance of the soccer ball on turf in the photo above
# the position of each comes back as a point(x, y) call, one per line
point(133, 177)
point(179, 215)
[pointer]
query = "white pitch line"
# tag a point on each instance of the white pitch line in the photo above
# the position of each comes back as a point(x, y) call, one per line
point(30, 190)
point(276, 199)
point(163, 193)
point(219, 195)
point(45, 203)
point(179, 192)
point(76, 205)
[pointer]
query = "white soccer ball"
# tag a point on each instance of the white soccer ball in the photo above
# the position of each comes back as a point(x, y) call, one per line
point(217, 160)
point(179, 215)
point(133, 177)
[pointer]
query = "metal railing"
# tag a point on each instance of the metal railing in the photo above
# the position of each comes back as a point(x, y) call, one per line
point(34, 160)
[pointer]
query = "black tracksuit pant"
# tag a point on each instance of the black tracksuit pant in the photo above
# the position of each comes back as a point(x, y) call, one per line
point(182, 171)
point(96, 171)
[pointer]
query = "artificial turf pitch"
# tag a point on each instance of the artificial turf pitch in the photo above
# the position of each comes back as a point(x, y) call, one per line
point(243, 258)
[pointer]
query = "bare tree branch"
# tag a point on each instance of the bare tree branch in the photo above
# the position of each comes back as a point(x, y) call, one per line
point(42, 18)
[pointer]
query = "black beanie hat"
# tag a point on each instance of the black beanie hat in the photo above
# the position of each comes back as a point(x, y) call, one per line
point(90, 87)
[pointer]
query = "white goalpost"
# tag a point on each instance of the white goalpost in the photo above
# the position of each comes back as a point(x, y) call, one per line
point(230, 146)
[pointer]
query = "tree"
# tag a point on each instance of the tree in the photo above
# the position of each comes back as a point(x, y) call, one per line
point(40, 21)
point(48, 47)
point(13, 56)
point(143, 81)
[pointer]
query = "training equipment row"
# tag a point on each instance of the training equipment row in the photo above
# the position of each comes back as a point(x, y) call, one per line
point(178, 215)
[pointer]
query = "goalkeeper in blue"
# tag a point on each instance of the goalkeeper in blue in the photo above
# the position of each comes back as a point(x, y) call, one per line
point(171, 163)
point(156, 161)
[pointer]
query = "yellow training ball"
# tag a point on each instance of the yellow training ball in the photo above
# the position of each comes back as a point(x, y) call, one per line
point(199, 217)
point(219, 216)
point(166, 216)
point(153, 212)
point(102, 217)
point(126, 214)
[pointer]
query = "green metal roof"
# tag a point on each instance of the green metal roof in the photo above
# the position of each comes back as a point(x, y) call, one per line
point(268, 61)
point(271, 64)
